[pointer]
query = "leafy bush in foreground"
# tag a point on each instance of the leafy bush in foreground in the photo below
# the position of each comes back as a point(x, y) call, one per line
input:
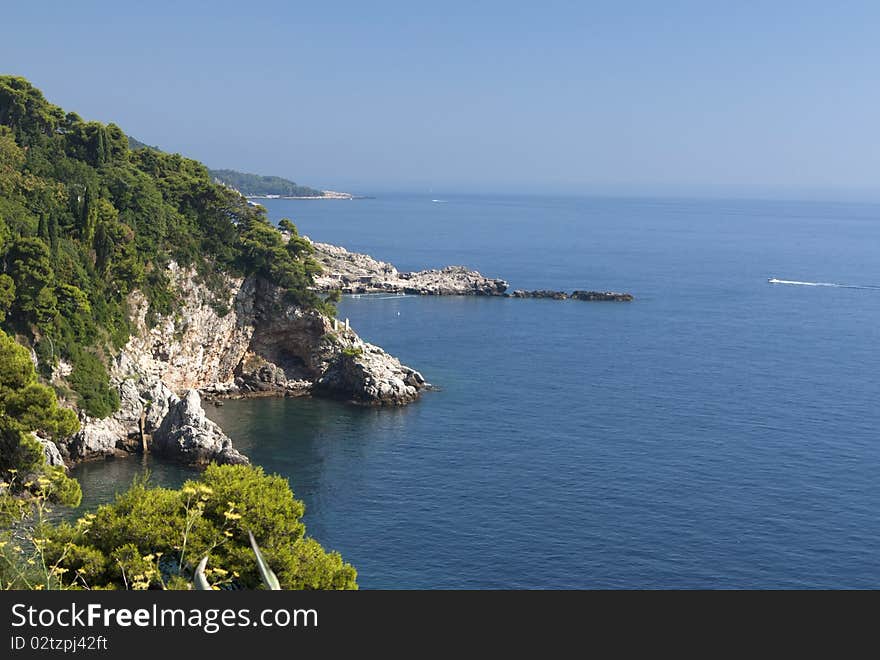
point(131, 542)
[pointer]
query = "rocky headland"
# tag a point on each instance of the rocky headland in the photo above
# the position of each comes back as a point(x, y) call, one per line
point(244, 341)
point(355, 273)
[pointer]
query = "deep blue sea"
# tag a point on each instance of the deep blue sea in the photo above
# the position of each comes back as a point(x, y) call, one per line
point(720, 431)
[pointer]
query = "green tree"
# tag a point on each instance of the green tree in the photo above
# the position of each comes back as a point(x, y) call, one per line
point(75, 311)
point(87, 217)
point(210, 516)
point(30, 267)
point(53, 232)
point(26, 407)
point(43, 230)
point(46, 309)
point(7, 295)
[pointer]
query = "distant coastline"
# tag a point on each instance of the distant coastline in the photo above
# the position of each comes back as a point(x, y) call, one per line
point(325, 194)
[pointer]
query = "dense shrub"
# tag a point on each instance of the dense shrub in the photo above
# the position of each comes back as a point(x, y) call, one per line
point(26, 407)
point(149, 535)
point(90, 381)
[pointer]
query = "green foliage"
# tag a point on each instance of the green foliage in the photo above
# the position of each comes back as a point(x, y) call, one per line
point(29, 264)
point(90, 381)
point(267, 575)
point(7, 295)
point(88, 215)
point(352, 351)
point(26, 407)
point(120, 544)
point(290, 265)
point(256, 184)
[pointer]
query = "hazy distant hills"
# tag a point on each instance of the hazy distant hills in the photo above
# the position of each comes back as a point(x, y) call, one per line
point(256, 184)
point(249, 184)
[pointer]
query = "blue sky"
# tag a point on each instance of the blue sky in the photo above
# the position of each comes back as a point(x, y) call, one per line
point(755, 98)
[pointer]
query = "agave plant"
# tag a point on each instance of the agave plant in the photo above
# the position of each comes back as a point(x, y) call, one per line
point(267, 575)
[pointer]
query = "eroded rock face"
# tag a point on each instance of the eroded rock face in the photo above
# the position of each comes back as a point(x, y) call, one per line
point(250, 340)
point(188, 436)
point(294, 339)
point(204, 341)
point(360, 273)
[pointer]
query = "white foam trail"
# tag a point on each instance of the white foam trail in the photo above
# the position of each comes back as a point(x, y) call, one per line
point(773, 280)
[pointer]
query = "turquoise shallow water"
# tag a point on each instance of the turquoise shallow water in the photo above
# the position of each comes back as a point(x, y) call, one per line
point(720, 431)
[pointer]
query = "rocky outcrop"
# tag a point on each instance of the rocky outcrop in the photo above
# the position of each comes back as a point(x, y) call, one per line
point(601, 296)
point(50, 452)
point(95, 438)
point(355, 273)
point(368, 375)
point(145, 401)
point(351, 272)
point(188, 436)
point(256, 374)
point(543, 293)
point(574, 295)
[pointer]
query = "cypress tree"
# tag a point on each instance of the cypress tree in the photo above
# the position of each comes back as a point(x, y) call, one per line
point(43, 230)
point(103, 248)
point(101, 148)
point(53, 233)
point(85, 218)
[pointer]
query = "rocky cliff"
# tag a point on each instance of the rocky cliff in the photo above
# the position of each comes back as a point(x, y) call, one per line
point(244, 339)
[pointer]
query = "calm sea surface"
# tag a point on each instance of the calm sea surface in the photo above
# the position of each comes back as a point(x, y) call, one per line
point(720, 431)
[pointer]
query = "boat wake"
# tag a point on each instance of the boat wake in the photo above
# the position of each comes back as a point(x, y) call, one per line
point(773, 280)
